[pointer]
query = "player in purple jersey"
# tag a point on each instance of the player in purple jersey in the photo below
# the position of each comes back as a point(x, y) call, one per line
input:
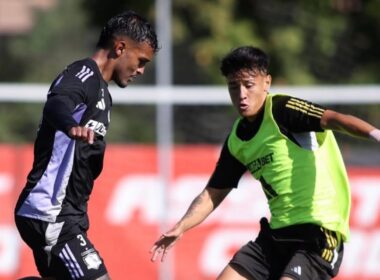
point(51, 213)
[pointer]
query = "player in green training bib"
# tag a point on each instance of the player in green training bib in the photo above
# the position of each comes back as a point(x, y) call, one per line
point(288, 145)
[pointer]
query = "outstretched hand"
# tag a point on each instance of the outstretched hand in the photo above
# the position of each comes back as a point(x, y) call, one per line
point(164, 244)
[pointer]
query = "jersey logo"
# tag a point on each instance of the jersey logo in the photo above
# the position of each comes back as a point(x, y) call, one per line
point(92, 261)
point(258, 163)
point(97, 127)
point(101, 104)
point(297, 270)
point(84, 74)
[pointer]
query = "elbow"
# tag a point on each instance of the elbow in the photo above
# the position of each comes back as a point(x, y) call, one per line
point(331, 120)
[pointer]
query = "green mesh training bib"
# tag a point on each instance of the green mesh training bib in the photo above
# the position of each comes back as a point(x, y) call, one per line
point(302, 186)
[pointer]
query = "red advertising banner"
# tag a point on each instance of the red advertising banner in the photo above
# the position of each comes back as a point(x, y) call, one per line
point(130, 201)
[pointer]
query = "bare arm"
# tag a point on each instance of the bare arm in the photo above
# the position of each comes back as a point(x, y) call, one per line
point(202, 206)
point(349, 124)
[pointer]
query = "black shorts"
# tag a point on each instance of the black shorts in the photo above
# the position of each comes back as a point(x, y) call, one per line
point(304, 251)
point(61, 250)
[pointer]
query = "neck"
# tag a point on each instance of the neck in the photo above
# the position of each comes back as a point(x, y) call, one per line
point(105, 64)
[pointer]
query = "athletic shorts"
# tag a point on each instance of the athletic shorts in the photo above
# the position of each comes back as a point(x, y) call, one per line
point(61, 250)
point(304, 251)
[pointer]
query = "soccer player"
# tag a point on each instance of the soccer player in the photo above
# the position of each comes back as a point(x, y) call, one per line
point(288, 145)
point(51, 212)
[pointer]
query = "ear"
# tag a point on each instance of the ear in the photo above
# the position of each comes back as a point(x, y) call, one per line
point(120, 47)
point(268, 82)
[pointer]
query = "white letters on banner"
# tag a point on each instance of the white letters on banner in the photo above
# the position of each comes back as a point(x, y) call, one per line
point(142, 193)
point(243, 207)
point(6, 183)
point(239, 215)
point(9, 238)
point(9, 249)
point(362, 255)
point(367, 202)
point(135, 193)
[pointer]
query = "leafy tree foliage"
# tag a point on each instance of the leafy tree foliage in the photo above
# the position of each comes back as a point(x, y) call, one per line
point(310, 42)
point(58, 37)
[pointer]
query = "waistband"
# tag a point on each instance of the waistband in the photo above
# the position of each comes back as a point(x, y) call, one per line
point(302, 233)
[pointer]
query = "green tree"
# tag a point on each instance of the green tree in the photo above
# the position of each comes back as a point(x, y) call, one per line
point(58, 37)
point(310, 42)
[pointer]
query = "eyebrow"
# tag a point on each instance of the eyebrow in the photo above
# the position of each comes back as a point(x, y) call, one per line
point(143, 61)
point(242, 80)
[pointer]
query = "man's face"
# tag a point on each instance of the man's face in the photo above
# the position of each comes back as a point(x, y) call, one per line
point(248, 90)
point(131, 62)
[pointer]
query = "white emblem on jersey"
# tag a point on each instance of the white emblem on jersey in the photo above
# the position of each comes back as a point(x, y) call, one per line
point(96, 126)
point(296, 269)
point(84, 74)
point(101, 104)
point(92, 261)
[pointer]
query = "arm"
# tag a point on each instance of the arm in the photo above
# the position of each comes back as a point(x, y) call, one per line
point(297, 115)
point(65, 94)
point(349, 124)
point(202, 206)
point(58, 113)
point(225, 177)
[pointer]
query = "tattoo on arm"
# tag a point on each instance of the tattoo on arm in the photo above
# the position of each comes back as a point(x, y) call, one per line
point(194, 204)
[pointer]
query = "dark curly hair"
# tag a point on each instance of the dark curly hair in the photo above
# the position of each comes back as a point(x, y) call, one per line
point(129, 24)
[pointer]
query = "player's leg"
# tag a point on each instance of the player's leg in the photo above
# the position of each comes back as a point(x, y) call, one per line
point(302, 267)
point(33, 234)
point(256, 260)
point(75, 257)
point(104, 277)
point(321, 261)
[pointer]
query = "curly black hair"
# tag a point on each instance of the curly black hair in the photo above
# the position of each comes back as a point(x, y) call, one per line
point(129, 24)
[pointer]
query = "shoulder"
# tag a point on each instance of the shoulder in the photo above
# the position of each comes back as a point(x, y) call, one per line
point(296, 114)
point(80, 78)
point(83, 70)
point(85, 73)
point(291, 102)
point(280, 100)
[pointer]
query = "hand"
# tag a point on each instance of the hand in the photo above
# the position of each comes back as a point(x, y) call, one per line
point(82, 133)
point(164, 244)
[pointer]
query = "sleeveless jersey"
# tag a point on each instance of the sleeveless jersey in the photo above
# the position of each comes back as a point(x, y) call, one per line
point(302, 186)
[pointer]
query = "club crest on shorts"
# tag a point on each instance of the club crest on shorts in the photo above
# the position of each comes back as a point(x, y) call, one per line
point(92, 260)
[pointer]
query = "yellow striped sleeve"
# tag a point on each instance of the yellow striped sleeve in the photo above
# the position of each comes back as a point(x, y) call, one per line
point(304, 107)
